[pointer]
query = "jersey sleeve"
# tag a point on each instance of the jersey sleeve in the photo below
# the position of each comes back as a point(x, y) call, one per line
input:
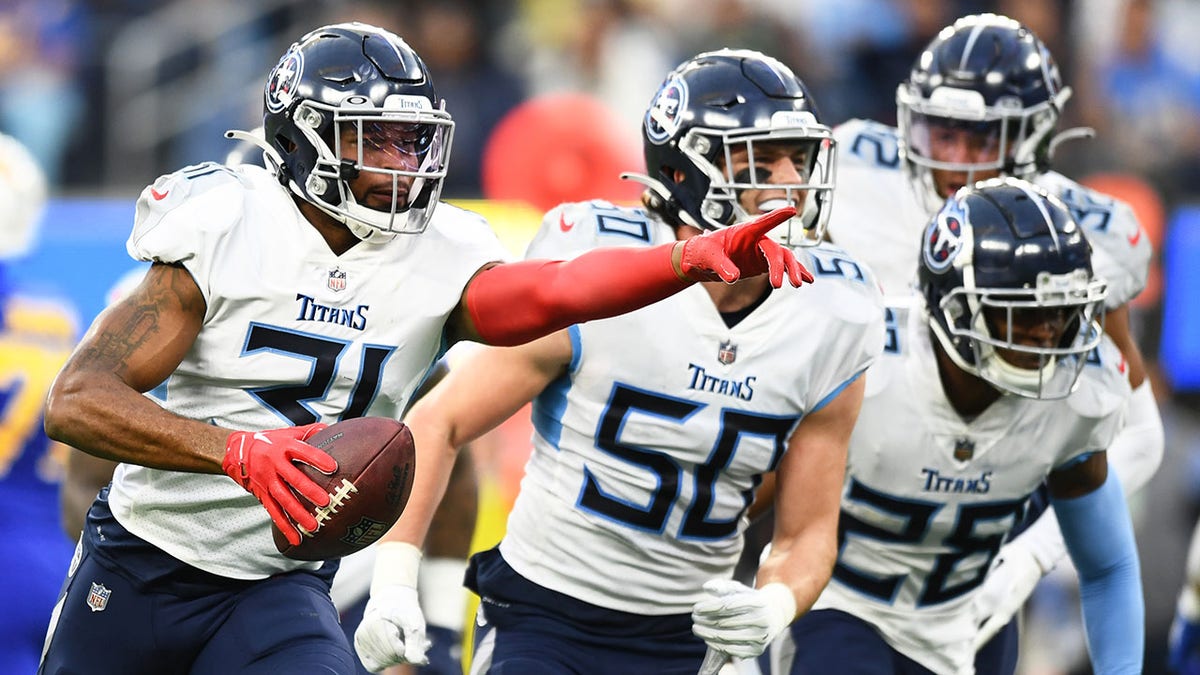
point(866, 144)
point(1121, 251)
point(850, 317)
point(182, 216)
point(572, 228)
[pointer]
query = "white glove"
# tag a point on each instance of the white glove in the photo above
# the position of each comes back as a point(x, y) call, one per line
point(742, 621)
point(1014, 574)
point(392, 630)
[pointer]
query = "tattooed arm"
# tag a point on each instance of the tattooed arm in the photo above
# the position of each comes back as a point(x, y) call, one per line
point(96, 403)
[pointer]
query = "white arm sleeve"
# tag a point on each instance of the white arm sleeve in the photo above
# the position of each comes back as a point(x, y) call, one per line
point(1137, 450)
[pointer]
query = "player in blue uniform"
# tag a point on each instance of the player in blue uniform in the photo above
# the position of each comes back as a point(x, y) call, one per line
point(653, 430)
point(36, 335)
point(278, 301)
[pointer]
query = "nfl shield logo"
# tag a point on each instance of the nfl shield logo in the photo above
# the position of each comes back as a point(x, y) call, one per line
point(98, 597)
point(366, 531)
point(727, 353)
point(337, 280)
point(964, 449)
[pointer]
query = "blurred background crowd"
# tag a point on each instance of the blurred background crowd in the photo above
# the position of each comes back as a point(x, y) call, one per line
point(108, 94)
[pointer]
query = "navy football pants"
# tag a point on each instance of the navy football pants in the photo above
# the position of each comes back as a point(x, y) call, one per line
point(127, 608)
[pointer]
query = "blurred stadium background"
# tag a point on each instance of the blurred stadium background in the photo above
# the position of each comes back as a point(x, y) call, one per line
point(109, 94)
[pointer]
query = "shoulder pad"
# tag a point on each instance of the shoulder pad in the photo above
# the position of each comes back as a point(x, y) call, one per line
point(573, 228)
point(1121, 251)
point(179, 209)
point(1104, 383)
point(867, 143)
point(899, 312)
point(838, 272)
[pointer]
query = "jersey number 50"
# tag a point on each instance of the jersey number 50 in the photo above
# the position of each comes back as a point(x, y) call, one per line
point(652, 515)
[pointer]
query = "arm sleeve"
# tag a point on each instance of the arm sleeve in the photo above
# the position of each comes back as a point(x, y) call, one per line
point(517, 302)
point(1099, 538)
point(1137, 450)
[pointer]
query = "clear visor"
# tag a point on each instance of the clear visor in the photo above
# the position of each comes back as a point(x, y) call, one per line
point(759, 171)
point(949, 144)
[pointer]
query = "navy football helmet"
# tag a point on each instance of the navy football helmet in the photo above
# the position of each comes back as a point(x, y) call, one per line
point(1008, 284)
point(715, 104)
point(991, 77)
point(352, 86)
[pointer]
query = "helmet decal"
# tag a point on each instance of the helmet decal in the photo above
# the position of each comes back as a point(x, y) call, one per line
point(662, 118)
point(944, 237)
point(281, 84)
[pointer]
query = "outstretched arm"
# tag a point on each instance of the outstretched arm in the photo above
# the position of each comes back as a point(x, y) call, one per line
point(517, 302)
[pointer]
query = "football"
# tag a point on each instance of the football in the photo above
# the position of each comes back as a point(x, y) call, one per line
point(368, 492)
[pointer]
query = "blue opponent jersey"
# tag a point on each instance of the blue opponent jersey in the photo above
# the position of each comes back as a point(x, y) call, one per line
point(35, 340)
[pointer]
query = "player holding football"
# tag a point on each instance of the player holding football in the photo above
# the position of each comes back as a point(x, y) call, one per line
point(279, 300)
point(983, 100)
point(997, 377)
point(653, 430)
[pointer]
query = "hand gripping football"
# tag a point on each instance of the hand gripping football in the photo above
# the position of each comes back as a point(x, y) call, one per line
point(367, 493)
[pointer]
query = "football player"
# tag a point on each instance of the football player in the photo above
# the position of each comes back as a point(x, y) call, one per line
point(995, 379)
point(279, 300)
point(36, 336)
point(653, 430)
point(982, 100)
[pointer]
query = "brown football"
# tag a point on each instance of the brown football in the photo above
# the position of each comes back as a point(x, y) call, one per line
point(367, 493)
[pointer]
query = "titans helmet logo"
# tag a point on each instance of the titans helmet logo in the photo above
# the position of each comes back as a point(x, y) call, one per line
point(662, 119)
point(281, 85)
point(944, 237)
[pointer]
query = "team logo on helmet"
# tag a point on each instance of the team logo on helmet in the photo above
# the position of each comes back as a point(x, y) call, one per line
point(281, 85)
point(944, 237)
point(662, 119)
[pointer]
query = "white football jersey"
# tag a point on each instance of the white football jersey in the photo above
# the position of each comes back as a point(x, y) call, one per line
point(292, 334)
point(648, 451)
point(880, 220)
point(929, 496)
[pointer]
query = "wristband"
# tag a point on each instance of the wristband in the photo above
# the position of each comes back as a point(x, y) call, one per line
point(396, 564)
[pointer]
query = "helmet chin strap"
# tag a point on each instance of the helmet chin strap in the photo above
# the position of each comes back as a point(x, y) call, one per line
point(1027, 380)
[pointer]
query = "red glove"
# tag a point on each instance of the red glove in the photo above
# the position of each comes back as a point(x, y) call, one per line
point(261, 462)
point(742, 250)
